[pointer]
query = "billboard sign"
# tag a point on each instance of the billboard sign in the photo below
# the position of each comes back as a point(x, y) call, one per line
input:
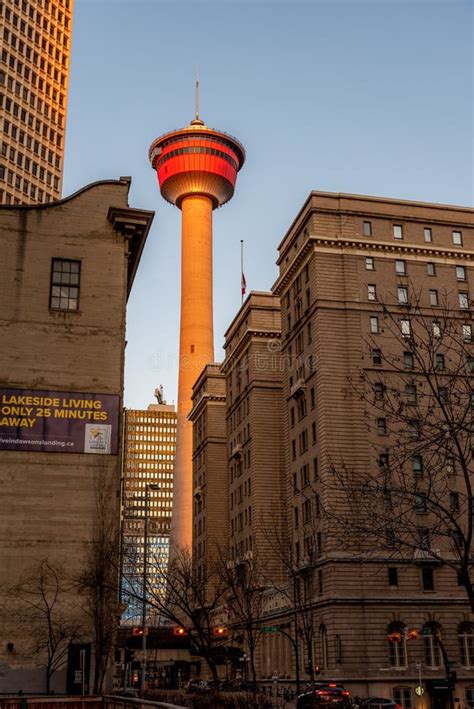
point(58, 421)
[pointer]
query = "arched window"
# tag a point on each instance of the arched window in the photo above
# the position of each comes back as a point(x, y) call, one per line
point(323, 641)
point(466, 644)
point(397, 648)
point(431, 648)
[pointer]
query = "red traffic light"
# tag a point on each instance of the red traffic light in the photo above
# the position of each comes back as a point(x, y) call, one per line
point(220, 631)
point(139, 631)
point(180, 631)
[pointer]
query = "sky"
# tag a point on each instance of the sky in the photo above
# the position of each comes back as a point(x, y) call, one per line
point(361, 96)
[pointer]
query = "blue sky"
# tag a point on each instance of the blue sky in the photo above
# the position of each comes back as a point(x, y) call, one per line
point(371, 97)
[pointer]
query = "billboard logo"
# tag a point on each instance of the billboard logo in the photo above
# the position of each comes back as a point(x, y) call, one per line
point(97, 438)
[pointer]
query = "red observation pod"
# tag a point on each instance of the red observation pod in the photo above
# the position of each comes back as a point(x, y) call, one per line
point(197, 160)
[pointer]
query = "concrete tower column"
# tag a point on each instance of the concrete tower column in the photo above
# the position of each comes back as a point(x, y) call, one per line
point(196, 347)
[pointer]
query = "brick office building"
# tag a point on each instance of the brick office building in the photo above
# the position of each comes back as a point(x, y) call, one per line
point(68, 270)
point(345, 260)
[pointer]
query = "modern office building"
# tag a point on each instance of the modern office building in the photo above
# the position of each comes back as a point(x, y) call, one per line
point(68, 268)
point(147, 495)
point(197, 170)
point(34, 76)
point(359, 277)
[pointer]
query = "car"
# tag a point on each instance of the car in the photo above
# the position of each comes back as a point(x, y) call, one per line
point(324, 694)
point(378, 703)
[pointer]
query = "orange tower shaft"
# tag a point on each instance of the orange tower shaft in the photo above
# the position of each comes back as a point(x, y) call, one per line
point(196, 347)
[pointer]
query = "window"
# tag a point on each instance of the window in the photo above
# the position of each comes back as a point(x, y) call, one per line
point(367, 228)
point(403, 295)
point(306, 511)
point(315, 468)
point(379, 389)
point(424, 538)
point(313, 401)
point(392, 576)
point(470, 697)
point(369, 263)
point(381, 426)
point(417, 464)
point(470, 361)
point(433, 297)
point(420, 503)
point(461, 273)
point(410, 393)
point(430, 269)
point(402, 696)
point(397, 647)
point(428, 234)
point(376, 356)
point(405, 327)
point(457, 238)
point(400, 268)
point(454, 504)
point(466, 647)
point(408, 360)
point(431, 648)
point(324, 646)
point(397, 231)
point(439, 361)
point(65, 278)
point(436, 329)
point(374, 324)
point(463, 301)
point(371, 292)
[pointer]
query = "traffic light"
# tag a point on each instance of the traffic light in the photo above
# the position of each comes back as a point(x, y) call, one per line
point(394, 637)
point(317, 669)
point(220, 631)
point(413, 634)
point(451, 676)
point(140, 631)
point(180, 631)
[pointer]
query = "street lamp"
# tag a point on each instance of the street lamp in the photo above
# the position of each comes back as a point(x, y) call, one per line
point(148, 486)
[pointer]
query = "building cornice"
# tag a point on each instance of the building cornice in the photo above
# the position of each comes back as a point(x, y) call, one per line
point(243, 344)
point(204, 399)
point(363, 246)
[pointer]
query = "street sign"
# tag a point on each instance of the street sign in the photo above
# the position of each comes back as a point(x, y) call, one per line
point(419, 690)
point(270, 629)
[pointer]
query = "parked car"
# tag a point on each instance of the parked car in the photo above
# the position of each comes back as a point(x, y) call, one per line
point(379, 703)
point(324, 694)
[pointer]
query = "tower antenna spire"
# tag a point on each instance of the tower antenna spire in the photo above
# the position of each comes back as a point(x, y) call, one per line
point(197, 93)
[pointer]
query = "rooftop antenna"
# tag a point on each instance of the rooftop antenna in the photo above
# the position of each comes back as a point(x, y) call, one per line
point(197, 94)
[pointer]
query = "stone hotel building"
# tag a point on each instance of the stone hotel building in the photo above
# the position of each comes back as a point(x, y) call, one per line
point(350, 267)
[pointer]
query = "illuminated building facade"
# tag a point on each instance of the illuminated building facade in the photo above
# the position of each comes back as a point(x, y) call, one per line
point(150, 440)
point(34, 75)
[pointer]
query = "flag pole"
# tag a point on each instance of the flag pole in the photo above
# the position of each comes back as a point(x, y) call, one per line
point(241, 270)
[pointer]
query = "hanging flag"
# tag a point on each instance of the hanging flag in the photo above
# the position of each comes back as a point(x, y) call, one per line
point(243, 284)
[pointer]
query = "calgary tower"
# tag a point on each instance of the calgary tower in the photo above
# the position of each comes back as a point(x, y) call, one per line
point(197, 169)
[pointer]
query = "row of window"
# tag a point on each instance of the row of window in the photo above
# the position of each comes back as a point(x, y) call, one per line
point(42, 129)
point(52, 8)
point(27, 27)
point(401, 268)
point(397, 233)
point(28, 96)
point(405, 329)
point(34, 57)
point(9, 198)
point(26, 163)
point(398, 656)
point(28, 74)
point(22, 184)
point(402, 295)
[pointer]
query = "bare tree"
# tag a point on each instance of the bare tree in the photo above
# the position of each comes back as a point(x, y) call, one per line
point(414, 499)
point(244, 586)
point(41, 607)
point(175, 592)
point(98, 580)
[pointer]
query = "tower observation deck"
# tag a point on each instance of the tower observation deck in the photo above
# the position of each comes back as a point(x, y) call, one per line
point(197, 169)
